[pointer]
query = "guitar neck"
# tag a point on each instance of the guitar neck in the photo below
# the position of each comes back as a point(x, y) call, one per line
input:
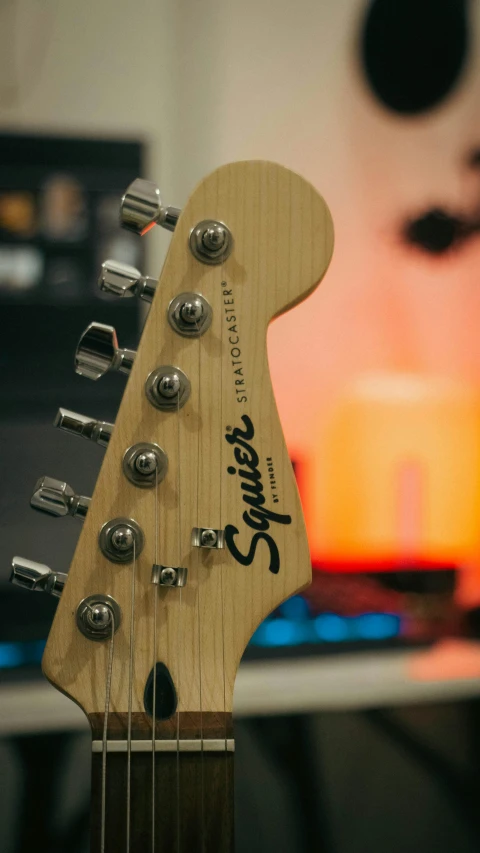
point(177, 798)
point(195, 532)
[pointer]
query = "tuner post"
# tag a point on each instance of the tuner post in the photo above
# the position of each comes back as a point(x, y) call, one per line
point(168, 388)
point(190, 314)
point(121, 540)
point(211, 242)
point(98, 617)
point(145, 464)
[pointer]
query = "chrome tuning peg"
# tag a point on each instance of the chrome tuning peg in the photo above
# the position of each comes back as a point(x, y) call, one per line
point(98, 431)
point(124, 280)
point(98, 351)
point(142, 208)
point(37, 577)
point(58, 499)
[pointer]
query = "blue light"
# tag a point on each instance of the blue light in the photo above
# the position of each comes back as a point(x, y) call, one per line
point(11, 654)
point(377, 626)
point(257, 639)
point(34, 651)
point(325, 628)
point(21, 654)
point(282, 632)
point(332, 628)
point(295, 608)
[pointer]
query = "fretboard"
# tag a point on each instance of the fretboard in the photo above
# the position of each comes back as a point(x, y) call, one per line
point(176, 798)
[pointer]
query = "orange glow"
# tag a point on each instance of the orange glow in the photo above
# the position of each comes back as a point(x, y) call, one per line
point(148, 228)
point(399, 468)
point(450, 658)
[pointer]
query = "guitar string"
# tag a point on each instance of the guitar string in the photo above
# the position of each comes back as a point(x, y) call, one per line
point(178, 620)
point(222, 563)
point(199, 566)
point(155, 613)
point(130, 692)
point(108, 685)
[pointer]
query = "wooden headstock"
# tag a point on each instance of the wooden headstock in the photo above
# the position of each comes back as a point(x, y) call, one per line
point(228, 467)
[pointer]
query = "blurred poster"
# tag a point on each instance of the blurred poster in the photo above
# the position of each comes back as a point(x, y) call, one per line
point(21, 269)
point(59, 216)
point(63, 208)
point(18, 213)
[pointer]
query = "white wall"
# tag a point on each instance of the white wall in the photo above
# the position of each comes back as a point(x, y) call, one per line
point(95, 67)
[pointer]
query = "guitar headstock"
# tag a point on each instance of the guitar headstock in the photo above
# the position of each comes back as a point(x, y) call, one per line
point(194, 533)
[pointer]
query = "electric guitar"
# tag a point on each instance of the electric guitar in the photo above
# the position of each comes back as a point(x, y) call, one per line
point(195, 532)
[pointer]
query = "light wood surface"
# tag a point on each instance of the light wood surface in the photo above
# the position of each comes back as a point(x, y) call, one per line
point(283, 243)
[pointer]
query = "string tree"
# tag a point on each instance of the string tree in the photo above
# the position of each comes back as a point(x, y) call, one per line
point(172, 576)
point(208, 537)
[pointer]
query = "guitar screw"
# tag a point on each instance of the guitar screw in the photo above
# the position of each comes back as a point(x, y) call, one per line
point(192, 312)
point(169, 385)
point(99, 617)
point(146, 463)
point(122, 538)
point(209, 538)
point(168, 576)
point(214, 237)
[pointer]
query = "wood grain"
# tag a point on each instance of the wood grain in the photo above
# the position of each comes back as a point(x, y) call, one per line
point(193, 796)
point(283, 243)
point(187, 725)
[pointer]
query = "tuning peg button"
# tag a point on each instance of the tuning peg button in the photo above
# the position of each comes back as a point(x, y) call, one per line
point(37, 577)
point(142, 208)
point(98, 431)
point(98, 351)
point(58, 499)
point(124, 280)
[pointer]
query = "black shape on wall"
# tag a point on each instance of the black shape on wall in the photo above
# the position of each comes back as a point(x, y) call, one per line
point(413, 51)
point(437, 231)
point(434, 231)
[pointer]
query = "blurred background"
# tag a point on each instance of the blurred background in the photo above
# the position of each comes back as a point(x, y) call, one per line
point(358, 722)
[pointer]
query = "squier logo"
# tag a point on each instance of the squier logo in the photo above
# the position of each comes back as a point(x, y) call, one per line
point(258, 517)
